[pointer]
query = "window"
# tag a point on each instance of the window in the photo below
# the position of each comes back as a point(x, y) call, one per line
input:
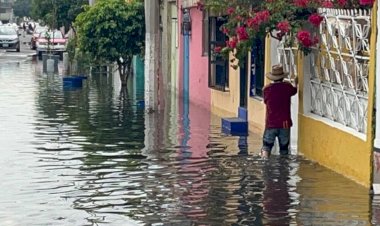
point(218, 66)
point(205, 33)
point(257, 67)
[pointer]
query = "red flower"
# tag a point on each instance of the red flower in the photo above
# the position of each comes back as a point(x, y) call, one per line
point(304, 37)
point(301, 3)
point(225, 30)
point(232, 43)
point(253, 22)
point(263, 15)
point(217, 49)
point(239, 18)
point(315, 19)
point(327, 4)
point(230, 10)
point(342, 3)
point(242, 33)
point(260, 17)
point(283, 26)
point(366, 2)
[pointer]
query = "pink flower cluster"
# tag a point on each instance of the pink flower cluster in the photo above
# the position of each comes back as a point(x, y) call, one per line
point(305, 39)
point(242, 33)
point(366, 2)
point(283, 26)
point(259, 18)
point(232, 43)
point(230, 10)
point(301, 3)
point(327, 4)
point(243, 26)
point(342, 3)
point(218, 49)
point(315, 19)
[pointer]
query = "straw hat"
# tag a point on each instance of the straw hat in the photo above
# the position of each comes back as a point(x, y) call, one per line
point(277, 73)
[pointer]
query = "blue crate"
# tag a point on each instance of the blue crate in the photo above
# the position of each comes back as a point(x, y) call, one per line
point(235, 126)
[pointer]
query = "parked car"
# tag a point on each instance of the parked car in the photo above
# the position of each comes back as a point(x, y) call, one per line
point(9, 38)
point(35, 36)
point(56, 45)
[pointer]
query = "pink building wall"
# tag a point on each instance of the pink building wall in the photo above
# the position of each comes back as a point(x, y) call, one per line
point(200, 93)
point(195, 120)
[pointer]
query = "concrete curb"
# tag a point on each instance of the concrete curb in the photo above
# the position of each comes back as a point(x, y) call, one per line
point(5, 56)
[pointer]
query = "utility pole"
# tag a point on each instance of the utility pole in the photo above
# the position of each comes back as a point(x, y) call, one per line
point(91, 2)
point(152, 41)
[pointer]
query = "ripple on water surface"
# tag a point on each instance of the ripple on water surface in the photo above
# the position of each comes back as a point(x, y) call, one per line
point(92, 157)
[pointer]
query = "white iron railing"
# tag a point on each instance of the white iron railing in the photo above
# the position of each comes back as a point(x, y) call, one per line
point(339, 68)
point(287, 56)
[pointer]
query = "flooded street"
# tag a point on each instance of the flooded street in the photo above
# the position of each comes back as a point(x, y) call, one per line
point(93, 157)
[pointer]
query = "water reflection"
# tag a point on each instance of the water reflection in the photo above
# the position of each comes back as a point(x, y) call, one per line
point(92, 156)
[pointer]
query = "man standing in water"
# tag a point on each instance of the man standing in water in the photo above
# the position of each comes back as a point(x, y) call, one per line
point(277, 98)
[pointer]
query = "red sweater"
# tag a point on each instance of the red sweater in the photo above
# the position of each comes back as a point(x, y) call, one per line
point(277, 97)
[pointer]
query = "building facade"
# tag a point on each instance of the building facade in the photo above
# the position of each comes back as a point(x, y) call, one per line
point(6, 11)
point(333, 111)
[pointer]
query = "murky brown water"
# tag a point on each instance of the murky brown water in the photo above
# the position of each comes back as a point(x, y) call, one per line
point(92, 157)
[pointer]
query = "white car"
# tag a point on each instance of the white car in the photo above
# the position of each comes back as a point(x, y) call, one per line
point(9, 38)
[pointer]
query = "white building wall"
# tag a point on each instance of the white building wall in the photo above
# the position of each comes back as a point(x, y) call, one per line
point(288, 58)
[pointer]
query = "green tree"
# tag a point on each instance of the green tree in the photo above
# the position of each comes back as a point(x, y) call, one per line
point(112, 31)
point(22, 8)
point(57, 13)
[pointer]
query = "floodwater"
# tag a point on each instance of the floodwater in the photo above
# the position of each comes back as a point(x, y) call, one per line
point(93, 157)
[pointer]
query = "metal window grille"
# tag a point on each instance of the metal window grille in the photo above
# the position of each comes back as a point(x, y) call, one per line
point(218, 66)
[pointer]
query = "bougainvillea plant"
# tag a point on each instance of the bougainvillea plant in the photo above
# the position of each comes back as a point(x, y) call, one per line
point(248, 20)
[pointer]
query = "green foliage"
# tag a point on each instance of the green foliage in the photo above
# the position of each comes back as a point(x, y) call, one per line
point(71, 46)
point(22, 8)
point(112, 31)
point(57, 13)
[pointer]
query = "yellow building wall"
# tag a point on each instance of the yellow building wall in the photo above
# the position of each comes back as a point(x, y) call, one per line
point(256, 115)
point(334, 148)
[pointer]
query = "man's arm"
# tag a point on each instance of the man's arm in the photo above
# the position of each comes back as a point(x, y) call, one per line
point(265, 90)
point(295, 87)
